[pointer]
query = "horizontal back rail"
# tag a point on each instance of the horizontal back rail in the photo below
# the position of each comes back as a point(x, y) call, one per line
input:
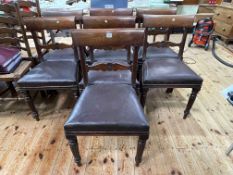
point(93, 22)
point(108, 38)
point(149, 11)
point(49, 23)
point(8, 20)
point(52, 13)
point(170, 21)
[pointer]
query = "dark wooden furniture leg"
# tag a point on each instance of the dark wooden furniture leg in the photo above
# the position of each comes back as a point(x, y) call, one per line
point(29, 101)
point(169, 90)
point(191, 101)
point(140, 148)
point(143, 96)
point(76, 93)
point(73, 142)
point(12, 89)
point(43, 94)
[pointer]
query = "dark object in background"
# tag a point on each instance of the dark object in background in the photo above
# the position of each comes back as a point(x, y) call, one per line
point(109, 4)
point(70, 2)
point(202, 33)
point(230, 97)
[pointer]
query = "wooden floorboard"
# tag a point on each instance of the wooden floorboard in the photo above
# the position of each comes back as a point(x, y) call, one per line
point(195, 146)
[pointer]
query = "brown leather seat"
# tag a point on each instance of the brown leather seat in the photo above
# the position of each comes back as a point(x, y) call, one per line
point(165, 70)
point(50, 73)
point(60, 55)
point(103, 108)
point(155, 52)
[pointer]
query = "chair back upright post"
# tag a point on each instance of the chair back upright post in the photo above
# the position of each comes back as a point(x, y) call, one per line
point(11, 25)
point(111, 12)
point(105, 22)
point(36, 25)
point(107, 39)
point(155, 24)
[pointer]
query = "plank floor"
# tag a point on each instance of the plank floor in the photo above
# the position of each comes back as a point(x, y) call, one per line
point(196, 145)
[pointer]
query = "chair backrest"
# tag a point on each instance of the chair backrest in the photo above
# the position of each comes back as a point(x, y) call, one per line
point(161, 24)
point(151, 11)
point(78, 14)
point(39, 24)
point(12, 29)
point(107, 39)
point(111, 12)
point(101, 22)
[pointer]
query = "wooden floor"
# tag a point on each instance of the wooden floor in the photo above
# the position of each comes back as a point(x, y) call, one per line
point(196, 145)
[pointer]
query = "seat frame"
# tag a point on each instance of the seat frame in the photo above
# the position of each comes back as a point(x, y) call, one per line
point(171, 21)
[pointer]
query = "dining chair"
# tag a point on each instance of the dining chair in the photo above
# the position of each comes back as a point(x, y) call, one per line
point(166, 72)
point(59, 74)
point(107, 109)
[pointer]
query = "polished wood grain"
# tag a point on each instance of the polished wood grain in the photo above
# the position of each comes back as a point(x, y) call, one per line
point(150, 11)
point(93, 22)
point(168, 20)
point(101, 38)
point(50, 23)
point(78, 14)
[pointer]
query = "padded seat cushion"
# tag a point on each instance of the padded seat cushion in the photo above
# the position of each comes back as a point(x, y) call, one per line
point(155, 52)
point(50, 73)
point(110, 55)
point(9, 59)
point(107, 108)
point(168, 71)
point(60, 55)
point(111, 77)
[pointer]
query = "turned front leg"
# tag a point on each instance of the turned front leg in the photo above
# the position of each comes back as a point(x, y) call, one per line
point(29, 101)
point(73, 142)
point(140, 148)
point(191, 101)
point(143, 96)
point(169, 90)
